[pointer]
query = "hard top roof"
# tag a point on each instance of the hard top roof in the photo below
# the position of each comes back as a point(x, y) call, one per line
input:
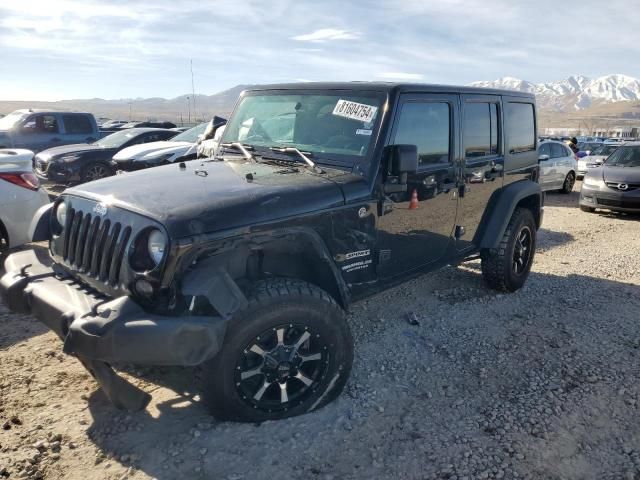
point(389, 87)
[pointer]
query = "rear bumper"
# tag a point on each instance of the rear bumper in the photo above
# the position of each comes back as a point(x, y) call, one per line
point(100, 330)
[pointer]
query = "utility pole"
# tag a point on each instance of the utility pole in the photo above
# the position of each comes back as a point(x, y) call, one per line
point(193, 91)
point(189, 108)
point(129, 111)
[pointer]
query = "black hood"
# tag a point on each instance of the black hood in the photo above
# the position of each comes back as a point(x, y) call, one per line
point(620, 174)
point(213, 196)
point(77, 148)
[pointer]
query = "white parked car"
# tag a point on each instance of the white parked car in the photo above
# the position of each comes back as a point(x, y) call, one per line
point(558, 166)
point(181, 147)
point(20, 197)
point(596, 158)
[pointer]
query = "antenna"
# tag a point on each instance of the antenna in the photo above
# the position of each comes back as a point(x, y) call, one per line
point(193, 92)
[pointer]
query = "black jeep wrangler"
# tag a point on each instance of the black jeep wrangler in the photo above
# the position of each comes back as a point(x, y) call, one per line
point(320, 194)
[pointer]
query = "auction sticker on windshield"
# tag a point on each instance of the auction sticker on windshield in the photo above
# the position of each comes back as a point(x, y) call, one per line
point(355, 111)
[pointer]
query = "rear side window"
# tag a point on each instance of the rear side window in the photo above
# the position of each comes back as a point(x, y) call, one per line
point(520, 125)
point(426, 125)
point(480, 134)
point(77, 124)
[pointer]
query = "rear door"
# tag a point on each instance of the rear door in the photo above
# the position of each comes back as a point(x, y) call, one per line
point(561, 158)
point(483, 164)
point(78, 128)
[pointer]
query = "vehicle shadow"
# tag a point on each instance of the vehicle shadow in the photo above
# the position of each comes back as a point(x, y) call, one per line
point(176, 435)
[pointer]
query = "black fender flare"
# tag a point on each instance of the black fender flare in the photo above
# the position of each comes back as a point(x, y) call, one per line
point(501, 208)
point(40, 226)
point(258, 239)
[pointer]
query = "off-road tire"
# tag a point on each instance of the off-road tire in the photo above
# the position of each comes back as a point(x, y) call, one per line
point(274, 302)
point(497, 263)
point(569, 182)
point(87, 170)
point(587, 209)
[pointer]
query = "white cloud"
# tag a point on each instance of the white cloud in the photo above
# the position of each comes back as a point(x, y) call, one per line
point(400, 76)
point(326, 35)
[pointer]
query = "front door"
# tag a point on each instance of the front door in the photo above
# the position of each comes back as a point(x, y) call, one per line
point(39, 132)
point(416, 227)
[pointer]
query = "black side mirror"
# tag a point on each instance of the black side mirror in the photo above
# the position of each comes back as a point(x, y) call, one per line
point(404, 159)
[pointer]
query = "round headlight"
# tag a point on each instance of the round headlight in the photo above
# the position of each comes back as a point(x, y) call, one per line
point(156, 245)
point(61, 214)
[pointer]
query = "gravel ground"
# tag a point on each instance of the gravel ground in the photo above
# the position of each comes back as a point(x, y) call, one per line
point(542, 383)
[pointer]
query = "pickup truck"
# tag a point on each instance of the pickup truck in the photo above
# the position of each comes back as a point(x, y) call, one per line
point(38, 130)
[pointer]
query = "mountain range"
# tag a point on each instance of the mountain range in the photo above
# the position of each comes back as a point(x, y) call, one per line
point(574, 93)
point(602, 100)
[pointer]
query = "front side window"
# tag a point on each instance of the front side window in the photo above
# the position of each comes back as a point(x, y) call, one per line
point(77, 124)
point(558, 151)
point(545, 149)
point(41, 124)
point(426, 125)
point(330, 126)
point(480, 133)
point(520, 127)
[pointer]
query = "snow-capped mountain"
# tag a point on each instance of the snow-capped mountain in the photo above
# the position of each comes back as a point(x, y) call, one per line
point(576, 92)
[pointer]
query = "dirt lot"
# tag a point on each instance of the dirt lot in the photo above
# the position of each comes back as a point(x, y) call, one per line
point(538, 384)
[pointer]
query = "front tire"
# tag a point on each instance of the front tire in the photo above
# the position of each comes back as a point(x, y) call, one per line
point(507, 267)
point(95, 171)
point(587, 209)
point(289, 352)
point(569, 182)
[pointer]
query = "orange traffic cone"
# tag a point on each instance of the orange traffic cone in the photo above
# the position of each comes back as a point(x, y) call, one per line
point(413, 204)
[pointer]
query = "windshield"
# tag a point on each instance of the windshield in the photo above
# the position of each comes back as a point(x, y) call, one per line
point(624, 157)
point(117, 139)
point(191, 135)
point(336, 126)
point(9, 121)
point(604, 150)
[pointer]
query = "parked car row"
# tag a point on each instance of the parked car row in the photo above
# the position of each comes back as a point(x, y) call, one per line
point(81, 163)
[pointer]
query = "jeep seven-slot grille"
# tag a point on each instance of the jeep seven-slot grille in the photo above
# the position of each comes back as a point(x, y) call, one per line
point(95, 246)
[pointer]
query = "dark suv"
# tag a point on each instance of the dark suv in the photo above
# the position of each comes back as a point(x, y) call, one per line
point(321, 194)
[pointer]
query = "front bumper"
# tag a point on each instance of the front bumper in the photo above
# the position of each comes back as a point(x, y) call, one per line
point(609, 199)
point(100, 330)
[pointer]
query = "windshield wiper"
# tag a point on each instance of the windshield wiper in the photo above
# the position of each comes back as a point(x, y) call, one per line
point(243, 148)
point(302, 155)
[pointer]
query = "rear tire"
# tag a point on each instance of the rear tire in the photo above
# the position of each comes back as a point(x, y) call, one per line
point(587, 209)
point(289, 352)
point(569, 182)
point(507, 267)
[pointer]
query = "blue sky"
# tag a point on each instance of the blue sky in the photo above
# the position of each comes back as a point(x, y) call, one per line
point(60, 49)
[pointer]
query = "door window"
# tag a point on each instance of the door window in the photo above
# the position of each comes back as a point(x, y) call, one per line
point(544, 150)
point(520, 127)
point(41, 124)
point(480, 133)
point(428, 126)
point(558, 151)
point(79, 124)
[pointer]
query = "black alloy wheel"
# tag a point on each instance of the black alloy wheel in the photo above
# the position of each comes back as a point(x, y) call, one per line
point(522, 250)
point(281, 367)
